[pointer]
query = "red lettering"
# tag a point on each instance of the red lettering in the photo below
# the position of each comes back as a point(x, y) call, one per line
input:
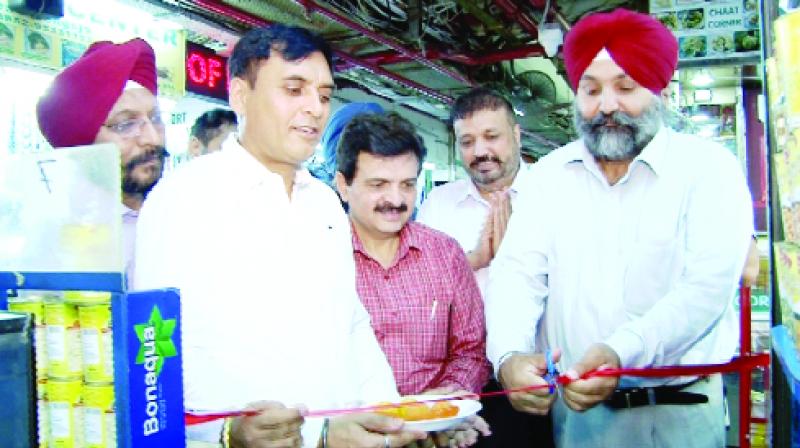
point(206, 72)
point(196, 68)
point(214, 72)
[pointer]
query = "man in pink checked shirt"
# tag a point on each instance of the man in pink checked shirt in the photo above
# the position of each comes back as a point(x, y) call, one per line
point(415, 282)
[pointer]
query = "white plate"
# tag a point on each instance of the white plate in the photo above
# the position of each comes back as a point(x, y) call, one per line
point(466, 408)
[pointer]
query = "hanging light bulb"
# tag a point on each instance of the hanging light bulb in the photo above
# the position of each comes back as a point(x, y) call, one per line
point(550, 37)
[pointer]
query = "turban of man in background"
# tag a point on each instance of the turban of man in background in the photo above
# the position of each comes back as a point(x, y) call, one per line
point(78, 102)
point(333, 132)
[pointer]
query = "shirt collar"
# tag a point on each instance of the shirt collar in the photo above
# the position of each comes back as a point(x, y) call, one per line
point(409, 238)
point(253, 172)
point(129, 212)
point(470, 191)
point(652, 155)
point(515, 185)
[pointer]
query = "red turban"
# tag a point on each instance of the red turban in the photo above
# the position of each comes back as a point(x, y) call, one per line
point(72, 110)
point(638, 43)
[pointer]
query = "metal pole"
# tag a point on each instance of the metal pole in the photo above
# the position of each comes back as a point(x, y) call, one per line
point(745, 376)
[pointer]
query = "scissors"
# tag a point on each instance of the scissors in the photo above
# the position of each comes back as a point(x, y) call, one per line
point(552, 373)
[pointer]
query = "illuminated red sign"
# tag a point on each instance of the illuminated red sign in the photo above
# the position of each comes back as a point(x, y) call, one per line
point(206, 72)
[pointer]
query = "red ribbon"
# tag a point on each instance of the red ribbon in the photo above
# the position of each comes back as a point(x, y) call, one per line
point(741, 364)
point(195, 419)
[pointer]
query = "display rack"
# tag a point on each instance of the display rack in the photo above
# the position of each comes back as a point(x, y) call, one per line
point(148, 385)
point(784, 348)
point(783, 99)
point(62, 255)
point(787, 355)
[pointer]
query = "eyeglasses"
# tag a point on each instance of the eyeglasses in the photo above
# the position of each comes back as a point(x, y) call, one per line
point(132, 128)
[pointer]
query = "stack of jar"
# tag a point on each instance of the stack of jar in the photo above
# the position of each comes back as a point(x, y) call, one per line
point(74, 367)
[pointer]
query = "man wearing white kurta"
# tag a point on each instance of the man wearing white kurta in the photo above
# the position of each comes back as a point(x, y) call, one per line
point(630, 256)
point(475, 212)
point(262, 255)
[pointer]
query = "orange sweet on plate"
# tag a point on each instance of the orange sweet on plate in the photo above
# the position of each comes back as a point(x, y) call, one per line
point(444, 409)
point(416, 411)
point(394, 412)
point(420, 411)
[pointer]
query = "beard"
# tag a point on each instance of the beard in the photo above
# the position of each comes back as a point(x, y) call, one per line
point(626, 139)
point(506, 168)
point(132, 185)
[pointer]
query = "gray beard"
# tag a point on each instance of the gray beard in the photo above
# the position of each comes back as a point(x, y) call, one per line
point(627, 139)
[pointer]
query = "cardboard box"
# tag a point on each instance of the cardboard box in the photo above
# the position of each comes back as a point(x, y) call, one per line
point(147, 369)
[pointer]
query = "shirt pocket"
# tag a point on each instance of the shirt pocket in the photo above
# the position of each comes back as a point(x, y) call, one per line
point(648, 276)
point(425, 330)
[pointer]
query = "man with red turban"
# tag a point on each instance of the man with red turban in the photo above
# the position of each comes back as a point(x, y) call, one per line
point(629, 257)
point(112, 88)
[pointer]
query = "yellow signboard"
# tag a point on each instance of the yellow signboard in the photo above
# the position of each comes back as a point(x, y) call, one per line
point(56, 43)
point(787, 52)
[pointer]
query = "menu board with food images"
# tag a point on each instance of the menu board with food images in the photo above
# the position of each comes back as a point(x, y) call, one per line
point(711, 29)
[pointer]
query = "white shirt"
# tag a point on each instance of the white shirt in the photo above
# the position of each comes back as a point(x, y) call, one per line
point(129, 218)
point(458, 209)
point(648, 266)
point(269, 304)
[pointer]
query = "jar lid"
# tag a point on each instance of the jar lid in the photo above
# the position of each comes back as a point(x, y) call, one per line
point(13, 322)
point(87, 297)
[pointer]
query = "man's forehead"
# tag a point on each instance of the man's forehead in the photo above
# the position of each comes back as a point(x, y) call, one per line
point(134, 101)
point(376, 165)
point(604, 69)
point(387, 175)
point(481, 120)
point(312, 68)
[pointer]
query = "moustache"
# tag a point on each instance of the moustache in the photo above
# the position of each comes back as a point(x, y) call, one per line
point(383, 208)
point(621, 120)
point(480, 159)
point(156, 154)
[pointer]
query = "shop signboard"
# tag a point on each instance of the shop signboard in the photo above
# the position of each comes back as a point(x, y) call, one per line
point(56, 43)
point(759, 304)
point(711, 29)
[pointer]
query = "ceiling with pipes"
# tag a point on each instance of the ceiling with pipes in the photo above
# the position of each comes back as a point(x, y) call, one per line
point(420, 54)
